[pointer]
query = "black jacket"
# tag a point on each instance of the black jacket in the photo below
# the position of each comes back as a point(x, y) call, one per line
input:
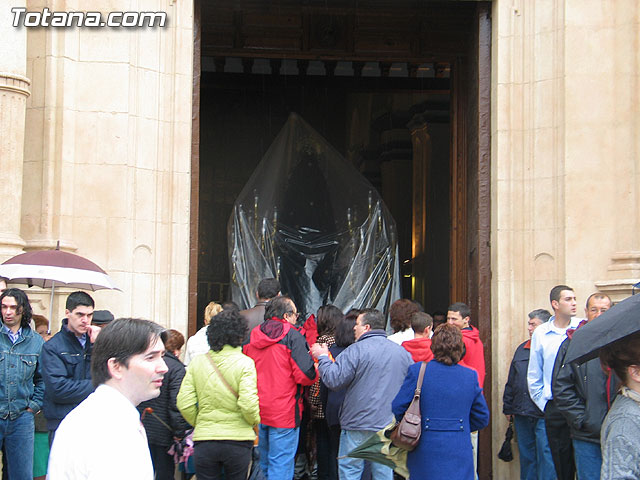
point(580, 393)
point(66, 370)
point(516, 398)
point(164, 406)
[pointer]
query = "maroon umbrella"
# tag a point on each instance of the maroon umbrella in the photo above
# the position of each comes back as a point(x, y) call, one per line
point(48, 268)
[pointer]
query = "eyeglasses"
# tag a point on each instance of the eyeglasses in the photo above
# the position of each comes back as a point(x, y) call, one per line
point(297, 314)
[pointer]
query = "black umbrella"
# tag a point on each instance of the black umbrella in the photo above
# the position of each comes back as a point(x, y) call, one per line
point(619, 321)
point(506, 454)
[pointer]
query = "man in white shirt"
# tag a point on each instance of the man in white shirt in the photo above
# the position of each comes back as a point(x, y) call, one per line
point(103, 438)
point(545, 343)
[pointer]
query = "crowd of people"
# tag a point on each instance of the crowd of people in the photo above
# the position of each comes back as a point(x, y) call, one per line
point(308, 391)
point(250, 374)
point(316, 388)
point(69, 398)
point(567, 418)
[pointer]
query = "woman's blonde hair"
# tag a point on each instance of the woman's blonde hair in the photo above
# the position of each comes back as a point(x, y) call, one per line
point(211, 311)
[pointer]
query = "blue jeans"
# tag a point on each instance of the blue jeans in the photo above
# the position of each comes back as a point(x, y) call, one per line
point(352, 468)
point(17, 437)
point(277, 448)
point(588, 459)
point(536, 462)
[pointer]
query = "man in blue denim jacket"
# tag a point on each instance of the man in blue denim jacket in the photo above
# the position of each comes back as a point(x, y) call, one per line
point(21, 384)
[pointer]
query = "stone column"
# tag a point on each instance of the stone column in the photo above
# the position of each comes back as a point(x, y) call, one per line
point(14, 90)
point(421, 141)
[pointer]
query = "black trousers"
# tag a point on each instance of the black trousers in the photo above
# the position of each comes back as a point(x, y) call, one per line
point(560, 443)
point(327, 442)
point(212, 456)
point(163, 463)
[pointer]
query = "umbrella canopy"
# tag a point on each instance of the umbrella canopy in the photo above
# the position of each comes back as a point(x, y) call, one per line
point(378, 448)
point(48, 268)
point(619, 321)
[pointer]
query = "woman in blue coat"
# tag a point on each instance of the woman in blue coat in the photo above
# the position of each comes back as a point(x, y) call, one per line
point(452, 406)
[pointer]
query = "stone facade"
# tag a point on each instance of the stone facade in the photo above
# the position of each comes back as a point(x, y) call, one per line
point(95, 132)
point(99, 153)
point(565, 141)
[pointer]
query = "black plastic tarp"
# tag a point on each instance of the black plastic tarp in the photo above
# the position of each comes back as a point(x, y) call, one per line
point(309, 218)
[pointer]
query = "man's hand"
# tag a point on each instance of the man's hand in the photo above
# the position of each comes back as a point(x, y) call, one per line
point(318, 349)
point(93, 333)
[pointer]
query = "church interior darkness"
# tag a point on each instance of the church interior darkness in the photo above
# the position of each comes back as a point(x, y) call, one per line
point(360, 75)
point(402, 89)
point(365, 119)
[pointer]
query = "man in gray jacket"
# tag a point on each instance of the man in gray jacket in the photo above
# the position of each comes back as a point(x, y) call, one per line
point(372, 371)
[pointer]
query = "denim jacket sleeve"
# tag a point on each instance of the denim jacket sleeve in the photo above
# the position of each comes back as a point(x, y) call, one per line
point(35, 402)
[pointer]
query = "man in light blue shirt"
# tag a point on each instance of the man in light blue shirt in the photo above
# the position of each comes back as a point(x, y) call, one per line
point(545, 343)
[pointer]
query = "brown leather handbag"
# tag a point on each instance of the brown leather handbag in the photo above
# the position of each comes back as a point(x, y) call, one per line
point(407, 433)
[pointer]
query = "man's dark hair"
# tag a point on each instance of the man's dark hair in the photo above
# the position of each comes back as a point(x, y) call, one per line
point(555, 292)
point(400, 314)
point(462, 308)
point(121, 339)
point(598, 296)
point(22, 301)
point(329, 316)
point(541, 314)
point(345, 335)
point(420, 321)
point(230, 305)
point(77, 299)
point(229, 327)
point(277, 307)
point(372, 317)
point(268, 288)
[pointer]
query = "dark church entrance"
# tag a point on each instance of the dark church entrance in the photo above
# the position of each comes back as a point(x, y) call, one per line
point(400, 88)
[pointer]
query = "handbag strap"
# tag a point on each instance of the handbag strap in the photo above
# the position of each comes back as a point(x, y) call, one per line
point(423, 367)
point(221, 377)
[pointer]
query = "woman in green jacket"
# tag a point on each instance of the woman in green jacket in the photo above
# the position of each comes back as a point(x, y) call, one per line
point(219, 397)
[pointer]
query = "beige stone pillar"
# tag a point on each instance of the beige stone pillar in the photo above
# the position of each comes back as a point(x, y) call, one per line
point(14, 90)
point(565, 177)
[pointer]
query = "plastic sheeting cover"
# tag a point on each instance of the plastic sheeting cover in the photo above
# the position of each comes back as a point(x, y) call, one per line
point(309, 218)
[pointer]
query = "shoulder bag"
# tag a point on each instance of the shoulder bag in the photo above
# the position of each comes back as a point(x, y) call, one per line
point(226, 384)
point(406, 435)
